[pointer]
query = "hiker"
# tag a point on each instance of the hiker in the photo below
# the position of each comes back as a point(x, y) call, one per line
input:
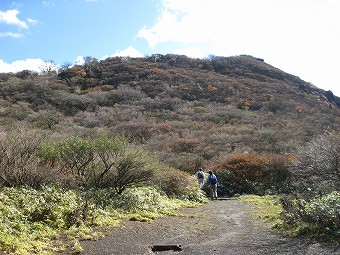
point(200, 177)
point(212, 179)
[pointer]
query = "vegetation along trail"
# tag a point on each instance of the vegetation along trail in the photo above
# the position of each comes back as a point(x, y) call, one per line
point(218, 227)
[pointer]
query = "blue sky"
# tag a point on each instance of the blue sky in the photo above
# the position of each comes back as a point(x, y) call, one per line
point(301, 37)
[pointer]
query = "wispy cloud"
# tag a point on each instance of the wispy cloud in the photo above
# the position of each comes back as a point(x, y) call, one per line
point(11, 34)
point(48, 3)
point(32, 21)
point(10, 17)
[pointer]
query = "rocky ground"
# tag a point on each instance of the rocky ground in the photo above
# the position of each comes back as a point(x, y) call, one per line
point(218, 227)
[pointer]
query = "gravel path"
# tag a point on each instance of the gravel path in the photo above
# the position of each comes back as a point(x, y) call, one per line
point(218, 227)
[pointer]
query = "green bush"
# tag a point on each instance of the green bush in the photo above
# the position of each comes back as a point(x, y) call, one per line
point(325, 211)
point(101, 162)
point(319, 217)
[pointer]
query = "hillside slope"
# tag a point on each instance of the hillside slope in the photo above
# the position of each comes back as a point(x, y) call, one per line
point(185, 111)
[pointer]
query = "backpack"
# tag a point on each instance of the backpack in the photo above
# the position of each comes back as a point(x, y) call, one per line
point(200, 175)
point(212, 179)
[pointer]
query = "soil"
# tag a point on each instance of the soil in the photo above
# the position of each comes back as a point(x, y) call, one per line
point(218, 227)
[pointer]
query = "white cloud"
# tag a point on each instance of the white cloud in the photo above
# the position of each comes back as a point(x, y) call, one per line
point(11, 34)
point(128, 52)
point(239, 24)
point(19, 65)
point(10, 17)
point(299, 37)
point(166, 29)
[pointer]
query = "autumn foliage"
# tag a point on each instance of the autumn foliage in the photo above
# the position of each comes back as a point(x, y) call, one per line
point(252, 173)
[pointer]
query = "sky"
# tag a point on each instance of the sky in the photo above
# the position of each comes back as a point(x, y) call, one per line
point(300, 37)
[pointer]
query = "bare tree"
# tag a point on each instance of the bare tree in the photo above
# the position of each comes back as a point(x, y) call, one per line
point(48, 67)
point(66, 65)
point(318, 164)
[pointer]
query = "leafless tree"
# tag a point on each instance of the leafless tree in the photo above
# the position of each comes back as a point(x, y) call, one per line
point(66, 65)
point(48, 67)
point(318, 163)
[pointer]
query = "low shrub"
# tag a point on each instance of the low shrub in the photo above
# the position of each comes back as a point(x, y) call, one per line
point(137, 132)
point(32, 221)
point(100, 162)
point(244, 173)
point(18, 164)
point(145, 199)
point(185, 145)
point(178, 184)
point(45, 119)
point(318, 217)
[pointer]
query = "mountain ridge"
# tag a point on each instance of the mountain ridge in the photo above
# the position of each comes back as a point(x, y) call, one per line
point(243, 66)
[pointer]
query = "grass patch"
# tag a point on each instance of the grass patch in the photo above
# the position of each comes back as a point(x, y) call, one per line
point(268, 208)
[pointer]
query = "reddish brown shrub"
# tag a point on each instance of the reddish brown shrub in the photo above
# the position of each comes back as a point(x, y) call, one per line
point(165, 126)
point(252, 173)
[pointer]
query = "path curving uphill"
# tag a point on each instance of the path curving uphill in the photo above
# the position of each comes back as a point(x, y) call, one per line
point(218, 227)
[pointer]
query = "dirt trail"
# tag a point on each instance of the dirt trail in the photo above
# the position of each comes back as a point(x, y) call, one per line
point(218, 227)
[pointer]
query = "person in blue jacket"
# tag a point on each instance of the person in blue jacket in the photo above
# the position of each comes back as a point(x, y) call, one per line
point(212, 180)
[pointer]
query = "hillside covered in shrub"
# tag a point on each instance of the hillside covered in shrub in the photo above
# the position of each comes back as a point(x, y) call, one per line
point(186, 112)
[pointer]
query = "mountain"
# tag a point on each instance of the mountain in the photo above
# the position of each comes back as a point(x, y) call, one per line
point(184, 111)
